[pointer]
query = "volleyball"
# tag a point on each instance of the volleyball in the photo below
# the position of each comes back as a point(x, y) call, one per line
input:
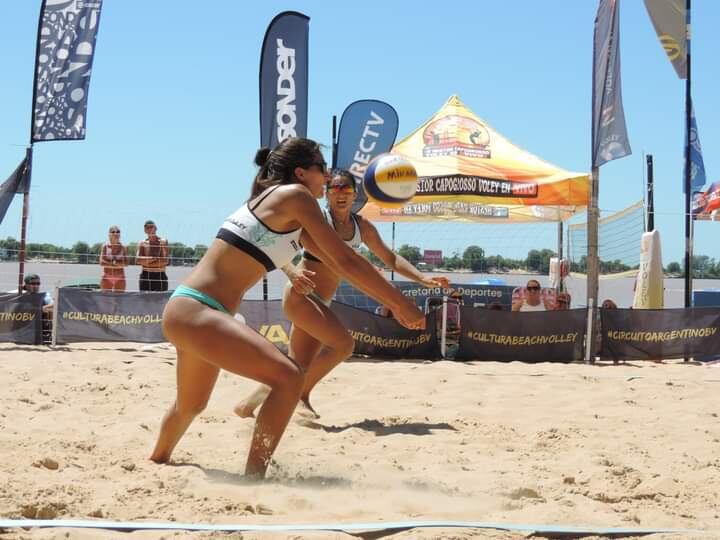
point(390, 180)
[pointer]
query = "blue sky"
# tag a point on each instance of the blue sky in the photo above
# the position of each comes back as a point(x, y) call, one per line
point(173, 107)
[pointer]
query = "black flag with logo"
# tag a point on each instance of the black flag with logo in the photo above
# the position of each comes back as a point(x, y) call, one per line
point(284, 79)
point(63, 63)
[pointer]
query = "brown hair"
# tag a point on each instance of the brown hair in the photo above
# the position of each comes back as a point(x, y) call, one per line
point(278, 166)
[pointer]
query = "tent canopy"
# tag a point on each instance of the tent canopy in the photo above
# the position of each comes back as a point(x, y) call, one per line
point(467, 171)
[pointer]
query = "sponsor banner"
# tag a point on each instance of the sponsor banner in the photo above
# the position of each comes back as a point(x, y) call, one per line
point(63, 63)
point(385, 337)
point(609, 134)
point(542, 336)
point(697, 165)
point(630, 334)
point(284, 79)
point(367, 129)
point(21, 318)
point(84, 315)
point(268, 319)
point(706, 206)
point(669, 19)
point(464, 164)
point(472, 295)
point(373, 335)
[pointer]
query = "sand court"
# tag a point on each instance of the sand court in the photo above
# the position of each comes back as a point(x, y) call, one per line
point(629, 445)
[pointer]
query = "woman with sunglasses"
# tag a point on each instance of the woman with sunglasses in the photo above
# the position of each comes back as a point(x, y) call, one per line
point(318, 340)
point(113, 259)
point(532, 300)
point(260, 236)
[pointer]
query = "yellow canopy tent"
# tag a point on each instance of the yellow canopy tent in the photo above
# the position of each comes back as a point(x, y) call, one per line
point(469, 172)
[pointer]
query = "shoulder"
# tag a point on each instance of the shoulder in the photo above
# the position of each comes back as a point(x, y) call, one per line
point(162, 240)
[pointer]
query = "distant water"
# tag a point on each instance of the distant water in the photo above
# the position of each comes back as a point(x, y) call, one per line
point(621, 289)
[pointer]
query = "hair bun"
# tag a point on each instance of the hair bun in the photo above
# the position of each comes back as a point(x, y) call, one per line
point(261, 156)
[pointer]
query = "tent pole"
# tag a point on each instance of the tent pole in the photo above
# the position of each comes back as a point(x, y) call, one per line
point(593, 264)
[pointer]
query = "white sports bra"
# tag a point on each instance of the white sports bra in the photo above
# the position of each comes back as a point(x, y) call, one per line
point(354, 243)
point(272, 249)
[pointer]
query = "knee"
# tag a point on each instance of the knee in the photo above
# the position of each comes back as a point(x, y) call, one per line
point(346, 345)
point(190, 409)
point(290, 380)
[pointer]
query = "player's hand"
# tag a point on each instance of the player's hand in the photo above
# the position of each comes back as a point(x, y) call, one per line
point(408, 314)
point(437, 281)
point(301, 281)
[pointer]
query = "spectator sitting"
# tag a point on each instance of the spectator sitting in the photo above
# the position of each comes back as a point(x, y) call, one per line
point(562, 301)
point(32, 285)
point(533, 300)
point(608, 304)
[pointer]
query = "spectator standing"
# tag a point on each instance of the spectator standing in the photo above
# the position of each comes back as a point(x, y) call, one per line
point(113, 259)
point(152, 255)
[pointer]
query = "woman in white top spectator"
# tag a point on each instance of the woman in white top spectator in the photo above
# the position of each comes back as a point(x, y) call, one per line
point(533, 301)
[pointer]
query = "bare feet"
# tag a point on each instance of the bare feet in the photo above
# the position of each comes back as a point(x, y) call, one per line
point(307, 408)
point(159, 459)
point(244, 409)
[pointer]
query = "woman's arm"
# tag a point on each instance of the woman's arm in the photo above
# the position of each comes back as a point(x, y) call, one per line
point(372, 240)
point(104, 259)
point(304, 208)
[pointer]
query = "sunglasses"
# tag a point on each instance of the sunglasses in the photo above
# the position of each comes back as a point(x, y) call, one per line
point(36, 283)
point(343, 188)
point(533, 288)
point(114, 232)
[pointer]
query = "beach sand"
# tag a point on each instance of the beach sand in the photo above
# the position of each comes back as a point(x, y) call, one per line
point(629, 445)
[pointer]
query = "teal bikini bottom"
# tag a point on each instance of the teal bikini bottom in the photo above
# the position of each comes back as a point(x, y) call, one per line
point(201, 297)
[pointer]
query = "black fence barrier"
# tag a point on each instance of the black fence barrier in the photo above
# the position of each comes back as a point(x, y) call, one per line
point(504, 336)
point(642, 334)
point(373, 335)
point(108, 316)
point(385, 337)
point(21, 318)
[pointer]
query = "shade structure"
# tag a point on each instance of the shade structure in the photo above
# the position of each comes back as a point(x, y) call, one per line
point(469, 172)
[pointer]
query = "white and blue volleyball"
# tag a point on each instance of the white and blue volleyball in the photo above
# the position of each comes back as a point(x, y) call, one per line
point(390, 180)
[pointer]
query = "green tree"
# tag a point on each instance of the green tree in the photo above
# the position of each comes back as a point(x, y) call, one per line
point(674, 268)
point(81, 249)
point(410, 253)
point(474, 258)
point(370, 256)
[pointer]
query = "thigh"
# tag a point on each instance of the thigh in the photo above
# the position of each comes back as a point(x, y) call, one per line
point(315, 319)
point(225, 342)
point(303, 347)
point(195, 380)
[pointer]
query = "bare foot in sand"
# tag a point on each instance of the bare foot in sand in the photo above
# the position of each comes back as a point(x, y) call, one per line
point(244, 409)
point(306, 409)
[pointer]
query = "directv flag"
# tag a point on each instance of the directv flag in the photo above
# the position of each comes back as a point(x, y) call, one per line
point(697, 167)
point(668, 18)
point(63, 63)
point(284, 79)
point(609, 135)
point(18, 182)
point(367, 129)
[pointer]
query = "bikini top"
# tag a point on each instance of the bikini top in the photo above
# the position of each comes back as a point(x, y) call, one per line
point(245, 231)
point(354, 243)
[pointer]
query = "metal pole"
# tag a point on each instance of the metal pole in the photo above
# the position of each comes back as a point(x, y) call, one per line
point(392, 271)
point(25, 213)
point(334, 142)
point(560, 240)
point(650, 195)
point(593, 264)
point(688, 194)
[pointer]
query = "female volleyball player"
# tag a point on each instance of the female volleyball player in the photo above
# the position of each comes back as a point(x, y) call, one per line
point(318, 340)
point(198, 318)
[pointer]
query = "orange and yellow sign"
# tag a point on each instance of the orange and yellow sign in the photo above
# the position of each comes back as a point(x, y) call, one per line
point(469, 172)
